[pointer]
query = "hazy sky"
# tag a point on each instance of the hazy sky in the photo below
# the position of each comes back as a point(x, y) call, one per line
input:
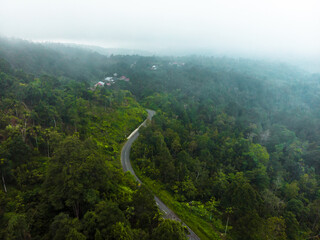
point(281, 27)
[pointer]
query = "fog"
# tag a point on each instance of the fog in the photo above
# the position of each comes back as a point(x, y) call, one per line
point(270, 28)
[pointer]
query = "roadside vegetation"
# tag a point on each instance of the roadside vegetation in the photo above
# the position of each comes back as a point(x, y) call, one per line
point(234, 147)
point(59, 162)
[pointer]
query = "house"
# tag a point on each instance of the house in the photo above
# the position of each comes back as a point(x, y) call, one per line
point(115, 74)
point(99, 84)
point(108, 79)
point(108, 84)
point(154, 67)
point(122, 78)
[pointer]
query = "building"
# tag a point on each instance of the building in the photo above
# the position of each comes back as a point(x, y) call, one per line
point(101, 84)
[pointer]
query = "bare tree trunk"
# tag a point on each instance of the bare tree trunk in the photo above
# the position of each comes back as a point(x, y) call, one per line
point(48, 143)
point(315, 223)
point(76, 209)
point(198, 174)
point(55, 124)
point(225, 231)
point(4, 183)
point(37, 141)
point(24, 131)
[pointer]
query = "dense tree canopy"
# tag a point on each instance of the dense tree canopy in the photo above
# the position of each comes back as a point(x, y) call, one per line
point(59, 166)
point(233, 148)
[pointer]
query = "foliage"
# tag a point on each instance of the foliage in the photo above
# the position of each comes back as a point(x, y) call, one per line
point(233, 148)
point(60, 176)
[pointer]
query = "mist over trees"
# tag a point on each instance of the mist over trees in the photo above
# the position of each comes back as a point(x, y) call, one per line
point(233, 148)
point(240, 132)
point(59, 165)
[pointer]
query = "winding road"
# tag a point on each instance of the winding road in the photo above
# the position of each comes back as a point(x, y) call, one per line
point(126, 165)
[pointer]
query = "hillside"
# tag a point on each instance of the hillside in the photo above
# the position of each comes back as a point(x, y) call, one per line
point(234, 147)
point(60, 171)
point(233, 141)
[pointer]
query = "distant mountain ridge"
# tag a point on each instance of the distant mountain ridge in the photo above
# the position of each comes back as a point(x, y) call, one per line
point(102, 50)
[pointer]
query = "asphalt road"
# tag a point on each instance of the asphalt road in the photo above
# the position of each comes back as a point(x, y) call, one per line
point(126, 165)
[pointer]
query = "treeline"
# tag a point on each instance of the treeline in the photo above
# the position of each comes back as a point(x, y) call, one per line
point(235, 146)
point(235, 142)
point(59, 162)
point(53, 59)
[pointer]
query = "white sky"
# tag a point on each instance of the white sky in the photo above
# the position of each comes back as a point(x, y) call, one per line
point(280, 27)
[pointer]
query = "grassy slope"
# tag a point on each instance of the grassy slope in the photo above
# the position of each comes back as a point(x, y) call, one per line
point(110, 134)
point(202, 228)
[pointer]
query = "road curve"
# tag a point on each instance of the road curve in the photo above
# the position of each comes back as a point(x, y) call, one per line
point(126, 165)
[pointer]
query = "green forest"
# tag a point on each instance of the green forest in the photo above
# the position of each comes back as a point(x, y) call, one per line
point(233, 150)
